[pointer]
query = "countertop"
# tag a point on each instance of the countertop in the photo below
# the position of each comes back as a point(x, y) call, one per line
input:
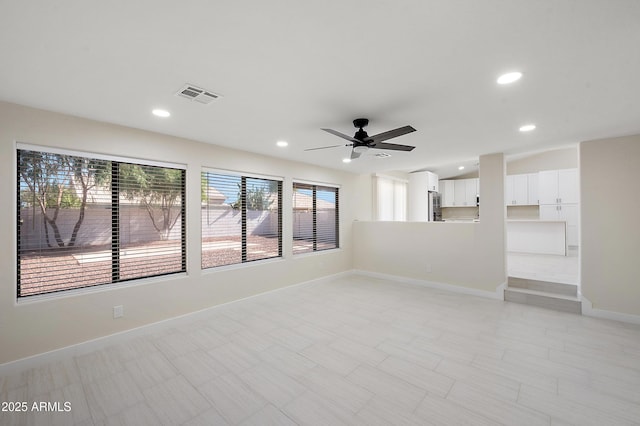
point(536, 221)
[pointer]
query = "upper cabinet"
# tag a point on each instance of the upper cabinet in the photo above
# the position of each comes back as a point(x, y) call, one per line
point(447, 188)
point(459, 192)
point(558, 186)
point(521, 190)
point(432, 182)
point(532, 181)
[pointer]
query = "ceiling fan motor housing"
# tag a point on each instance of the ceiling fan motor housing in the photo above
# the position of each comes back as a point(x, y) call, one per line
point(361, 135)
point(361, 122)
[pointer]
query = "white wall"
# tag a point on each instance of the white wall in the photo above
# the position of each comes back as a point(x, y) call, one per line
point(610, 217)
point(469, 255)
point(32, 327)
point(555, 159)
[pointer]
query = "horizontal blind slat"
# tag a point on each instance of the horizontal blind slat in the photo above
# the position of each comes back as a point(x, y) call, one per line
point(241, 219)
point(67, 221)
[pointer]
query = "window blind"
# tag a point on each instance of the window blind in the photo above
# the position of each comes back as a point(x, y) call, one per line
point(241, 219)
point(85, 221)
point(315, 218)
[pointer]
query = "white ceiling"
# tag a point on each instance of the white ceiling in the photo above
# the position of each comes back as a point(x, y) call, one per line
point(288, 68)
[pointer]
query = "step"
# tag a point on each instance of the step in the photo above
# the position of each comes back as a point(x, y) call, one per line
point(557, 302)
point(544, 286)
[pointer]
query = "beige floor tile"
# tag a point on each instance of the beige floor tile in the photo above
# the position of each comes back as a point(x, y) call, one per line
point(387, 386)
point(435, 410)
point(498, 410)
point(336, 388)
point(566, 409)
point(274, 386)
point(175, 401)
point(268, 416)
point(352, 351)
point(232, 398)
point(112, 395)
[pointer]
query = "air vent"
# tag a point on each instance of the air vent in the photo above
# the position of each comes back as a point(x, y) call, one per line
point(383, 155)
point(197, 94)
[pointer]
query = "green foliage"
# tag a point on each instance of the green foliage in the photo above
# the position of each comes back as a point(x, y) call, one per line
point(56, 181)
point(257, 198)
point(157, 189)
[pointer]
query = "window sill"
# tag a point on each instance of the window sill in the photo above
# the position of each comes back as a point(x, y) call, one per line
point(234, 266)
point(48, 297)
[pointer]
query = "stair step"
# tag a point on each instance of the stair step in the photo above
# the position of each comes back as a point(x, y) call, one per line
point(558, 302)
point(544, 286)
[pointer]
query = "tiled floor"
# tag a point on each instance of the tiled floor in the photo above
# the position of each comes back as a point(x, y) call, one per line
point(545, 267)
point(352, 351)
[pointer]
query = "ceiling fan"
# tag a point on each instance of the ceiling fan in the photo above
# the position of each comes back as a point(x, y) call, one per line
point(361, 142)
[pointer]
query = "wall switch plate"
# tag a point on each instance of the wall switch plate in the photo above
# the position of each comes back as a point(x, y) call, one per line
point(118, 311)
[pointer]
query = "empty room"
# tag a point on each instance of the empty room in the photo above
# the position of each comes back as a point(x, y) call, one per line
point(329, 213)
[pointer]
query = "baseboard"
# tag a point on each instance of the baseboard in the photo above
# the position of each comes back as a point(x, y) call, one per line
point(590, 311)
point(98, 343)
point(498, 294)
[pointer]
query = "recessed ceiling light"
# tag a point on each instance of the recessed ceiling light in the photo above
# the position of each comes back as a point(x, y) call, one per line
point(346, 160)
point(161, 113)
point(527, 127)
point(509, 77)
point(282, 144)
point(461, 168)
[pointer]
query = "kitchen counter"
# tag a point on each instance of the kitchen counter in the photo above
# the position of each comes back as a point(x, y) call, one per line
point(537, 236)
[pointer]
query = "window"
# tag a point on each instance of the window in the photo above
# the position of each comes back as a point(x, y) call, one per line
point(241, 219)
point(315, 218)
point(390, 198)
point(88, 221)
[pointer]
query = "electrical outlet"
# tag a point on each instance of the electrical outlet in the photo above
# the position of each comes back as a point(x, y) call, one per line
point(118, 311)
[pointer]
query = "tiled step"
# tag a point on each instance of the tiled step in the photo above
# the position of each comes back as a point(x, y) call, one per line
point(543, 299)
point(545, 286)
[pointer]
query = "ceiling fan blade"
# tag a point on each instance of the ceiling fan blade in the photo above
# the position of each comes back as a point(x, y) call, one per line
point(325, 147)
point(392, 146)
point(390, 134)
point(354, 154)
point(341, 135)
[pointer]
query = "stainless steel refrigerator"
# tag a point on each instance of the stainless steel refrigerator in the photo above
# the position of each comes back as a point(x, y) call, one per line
point(435, 211)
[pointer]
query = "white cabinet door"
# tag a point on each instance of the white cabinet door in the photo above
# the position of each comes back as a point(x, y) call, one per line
point(509, 190)
point(549, 212)
point(521, 190)
point(471, 192)
point(447, 190)
point(548, 187)
point(568, 213)
point(558, 187)
point(568, 190)
point(432, 181)
point(532, 184)
point(459, 192)
point(517, 190)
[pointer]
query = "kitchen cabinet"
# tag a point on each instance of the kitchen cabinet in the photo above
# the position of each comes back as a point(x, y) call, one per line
point(558, 186)
point(517, 190)
point(432, 182)
point(559, 198)
point(459, 192)
point(569, 214)
point(446, 193)
point(521, 190)
point(532, 186)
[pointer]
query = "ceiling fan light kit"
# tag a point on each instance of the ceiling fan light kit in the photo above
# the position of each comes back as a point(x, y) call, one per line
point(361, 142)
